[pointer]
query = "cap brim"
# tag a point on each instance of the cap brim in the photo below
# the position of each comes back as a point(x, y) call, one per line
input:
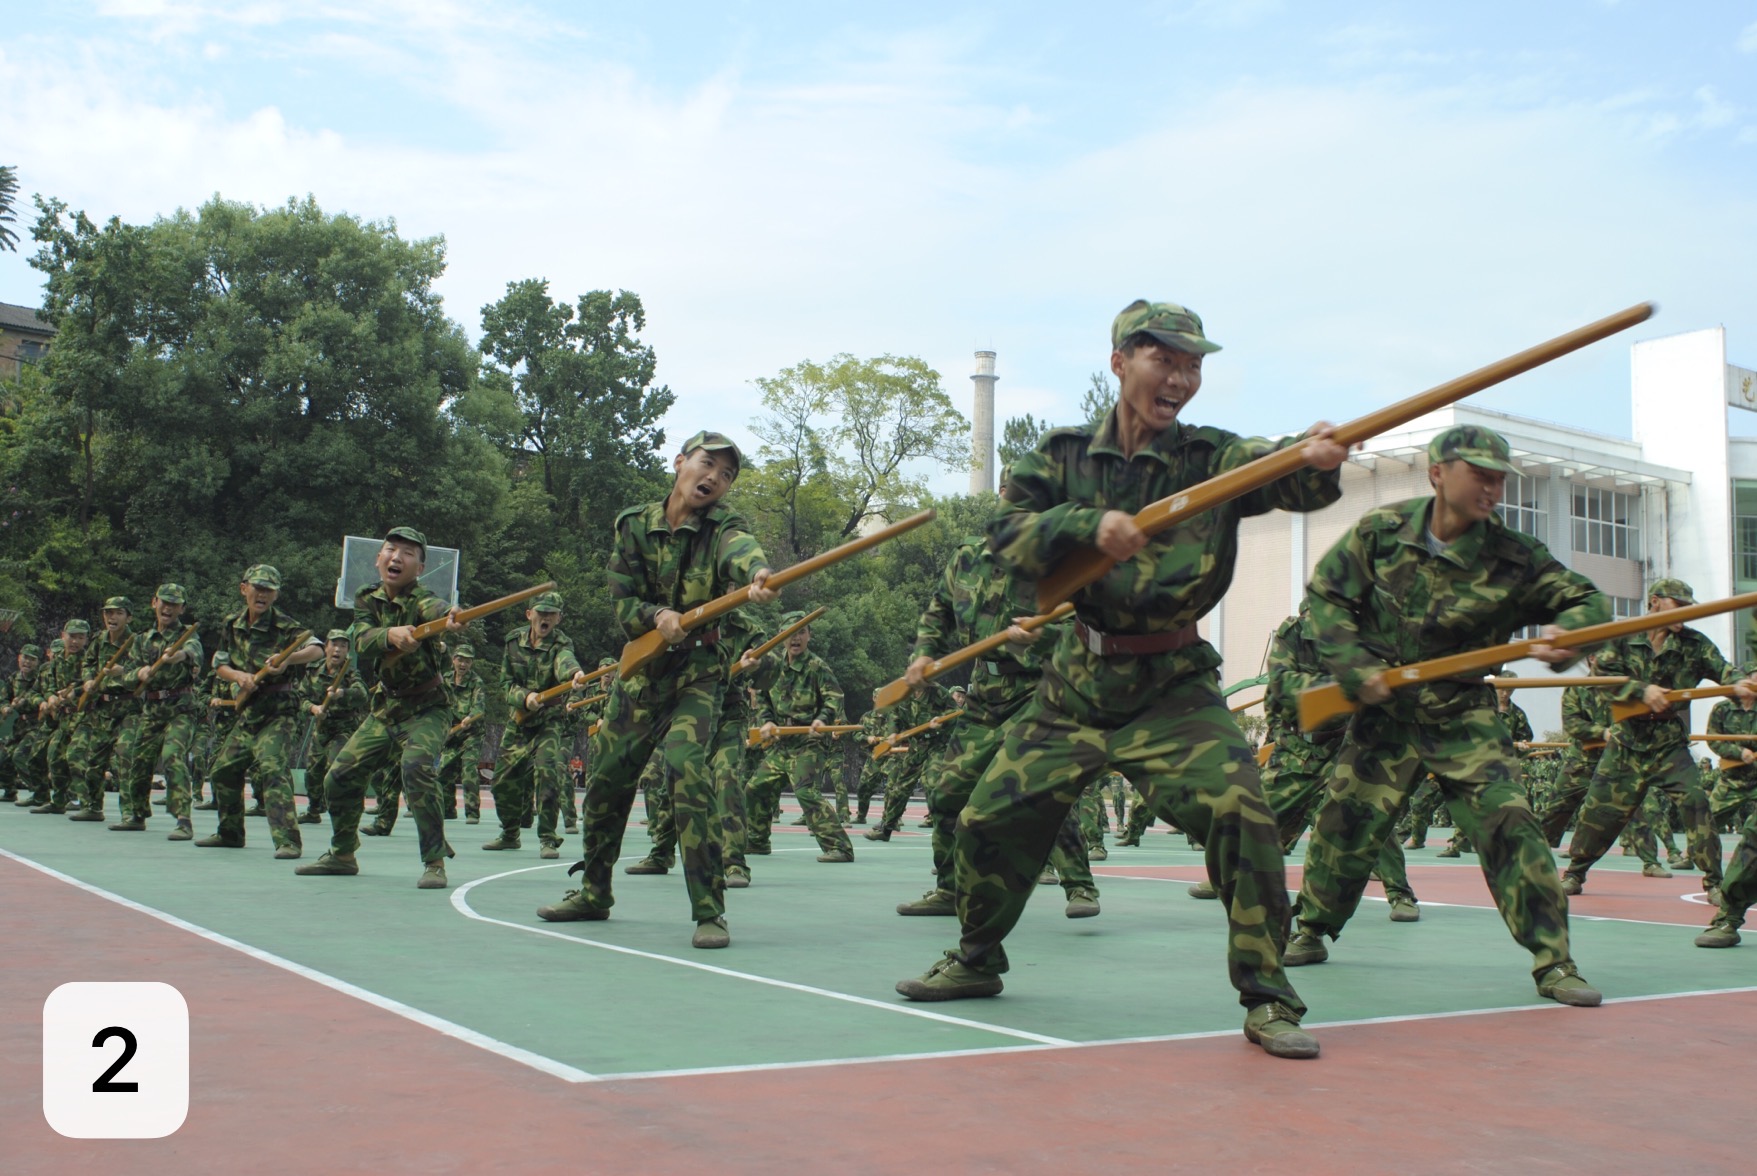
point(1489, 463)
point(1191, 343)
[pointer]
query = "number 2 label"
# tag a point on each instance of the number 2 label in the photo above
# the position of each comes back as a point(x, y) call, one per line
point(94, 1090)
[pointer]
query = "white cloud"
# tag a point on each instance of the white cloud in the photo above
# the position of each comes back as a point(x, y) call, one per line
point(1748, 38)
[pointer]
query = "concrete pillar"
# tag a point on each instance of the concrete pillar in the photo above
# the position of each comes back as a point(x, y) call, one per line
point(982, 431)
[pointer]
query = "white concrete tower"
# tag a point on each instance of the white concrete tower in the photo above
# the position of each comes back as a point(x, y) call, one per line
point(982, 433)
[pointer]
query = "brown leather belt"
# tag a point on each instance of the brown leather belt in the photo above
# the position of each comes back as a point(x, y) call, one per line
point(701, 639)
point(1136, 644)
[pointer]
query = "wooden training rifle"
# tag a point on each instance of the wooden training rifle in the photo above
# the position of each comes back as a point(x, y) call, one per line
point(760, 651)
point(754, 737)
point(1560, 680)
point(1088, 565)
point(648, 646)
point(1321, 703)
point(521, 716)
point(273, 663)
point(883, 747)
point(577, 703)
point(164, 658)
point(1622, 712)
point(893, 692)
point(85, 696)
point(428, 629)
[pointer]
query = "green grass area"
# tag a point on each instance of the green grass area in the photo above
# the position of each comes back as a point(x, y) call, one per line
point(1152, 964)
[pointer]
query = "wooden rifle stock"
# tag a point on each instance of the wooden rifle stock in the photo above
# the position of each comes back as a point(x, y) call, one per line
point(334, 683)
point(760, 651)
point(1557, 682)
point(1622, 712)
point(1321, 703)
point(754, 736)
point(86, 695)
point(428, 629)
point(1088, 565)
point(883, 747)
point(648, 646)
point(164, 658)
point(273, 663)
point(521, 716)
point(1264, 752)
point(895, 691)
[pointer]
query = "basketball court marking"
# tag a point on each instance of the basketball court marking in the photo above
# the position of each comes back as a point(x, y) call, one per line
point(460, 900)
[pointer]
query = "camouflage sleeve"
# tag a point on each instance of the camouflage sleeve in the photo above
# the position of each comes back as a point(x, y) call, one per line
point(478, 704)
point(512, 691)
point(1340, 585)
point(1307, 488)
point(740, 555)
point(1717, 718)
point(829, 695)
point(936, 631)
point(1716, 667)
point(1281, 697)
point(566, 664)
point(1577, 719)
point(353, 696)
point(1520, 722)
point(366, 635)
point(1036, 525)
point(627, 575)
point(1614, 662)
point(1565, 598)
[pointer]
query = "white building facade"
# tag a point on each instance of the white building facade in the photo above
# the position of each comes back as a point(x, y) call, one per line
point(1679, 500)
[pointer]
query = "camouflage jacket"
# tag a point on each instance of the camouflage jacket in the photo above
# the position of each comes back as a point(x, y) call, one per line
point(469, 700)
point(1056, 496)
point(249, 647)
point(803, 689)
point(24, 694)
point(654, 567)
point(152, 642)
point(1687, 659)
point(64, 678)
point(976, 598)
point(1379, 598)
point(117, 687)
point(410, 685)
point(925, 702)
point(1518, 726)
point(526, 668)
point(1294, 666)
point(1729, 718)
point(1586, 713)
point(346, 710)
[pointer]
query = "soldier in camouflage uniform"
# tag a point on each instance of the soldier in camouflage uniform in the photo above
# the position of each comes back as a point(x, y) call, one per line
point(216, 727)
point(1297, 776)
point(23, 752)
point(1134, 687)
point(169, 708)
point(92, 748)
point(1737, 783)
point(410, 714)
point(63, 720)
point(669, 557)
point(460, 762)
point(655, 786)
point(875, 774)
point(1417, 580)
point(803, 692)
point(260, 741)
point(533, 759)
point(975, 598)
point(1652, 750)
point(337, 701)
point(923, 704)
point(1586, 720)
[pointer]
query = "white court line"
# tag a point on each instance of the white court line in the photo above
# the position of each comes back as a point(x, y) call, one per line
point(449, 1028)
point(459, 900)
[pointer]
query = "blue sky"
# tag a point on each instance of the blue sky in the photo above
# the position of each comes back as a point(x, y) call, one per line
point(1362, 200)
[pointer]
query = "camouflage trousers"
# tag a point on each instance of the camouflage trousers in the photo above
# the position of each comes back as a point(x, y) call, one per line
point(1423, 807)
point(1620, 785)
point(797, 760)
point(1296, 786)
point(55, 760)
point(1730, 795)
point(163, 733)
point(1568, 792)
point(910, 770)
point(874, 780)
point(972, 749)
point(1091, 815)
point(661, 825)
point(730, 765)
point(1185, 753)
point(99, 746)
point(30, 762)
point(1651, 829)
point(8, 768)
point(260, 746)
point(1739, 889)
point(406, 752)
point(1471, 756)
point(317, 771)
point(529, 777)
point(672, 707)
point(460, 768)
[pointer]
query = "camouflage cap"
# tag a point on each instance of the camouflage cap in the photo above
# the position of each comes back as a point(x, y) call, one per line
point(222, 658)
point(797, 614)
point(121, 602)
point(606, 661)
point(171, 593)
point(1171, 324)
point(1474, 445)
point(35, 651)
point(548, 602)
point(76, 626)
point(336, 635)
point(408, 535)
point(464, 651)
point(57, 645)
point(712, 441)
point(1673, 589)
point(263, 576)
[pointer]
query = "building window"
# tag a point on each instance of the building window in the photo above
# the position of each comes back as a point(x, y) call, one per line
point(1522, 506)
point(1606, 522)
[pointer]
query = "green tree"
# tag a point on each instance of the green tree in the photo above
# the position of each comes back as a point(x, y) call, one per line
point(1019, 436)
point(1100, 397)
point(8, 195)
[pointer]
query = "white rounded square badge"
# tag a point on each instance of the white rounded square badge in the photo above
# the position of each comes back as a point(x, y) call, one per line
point(115, 1060)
